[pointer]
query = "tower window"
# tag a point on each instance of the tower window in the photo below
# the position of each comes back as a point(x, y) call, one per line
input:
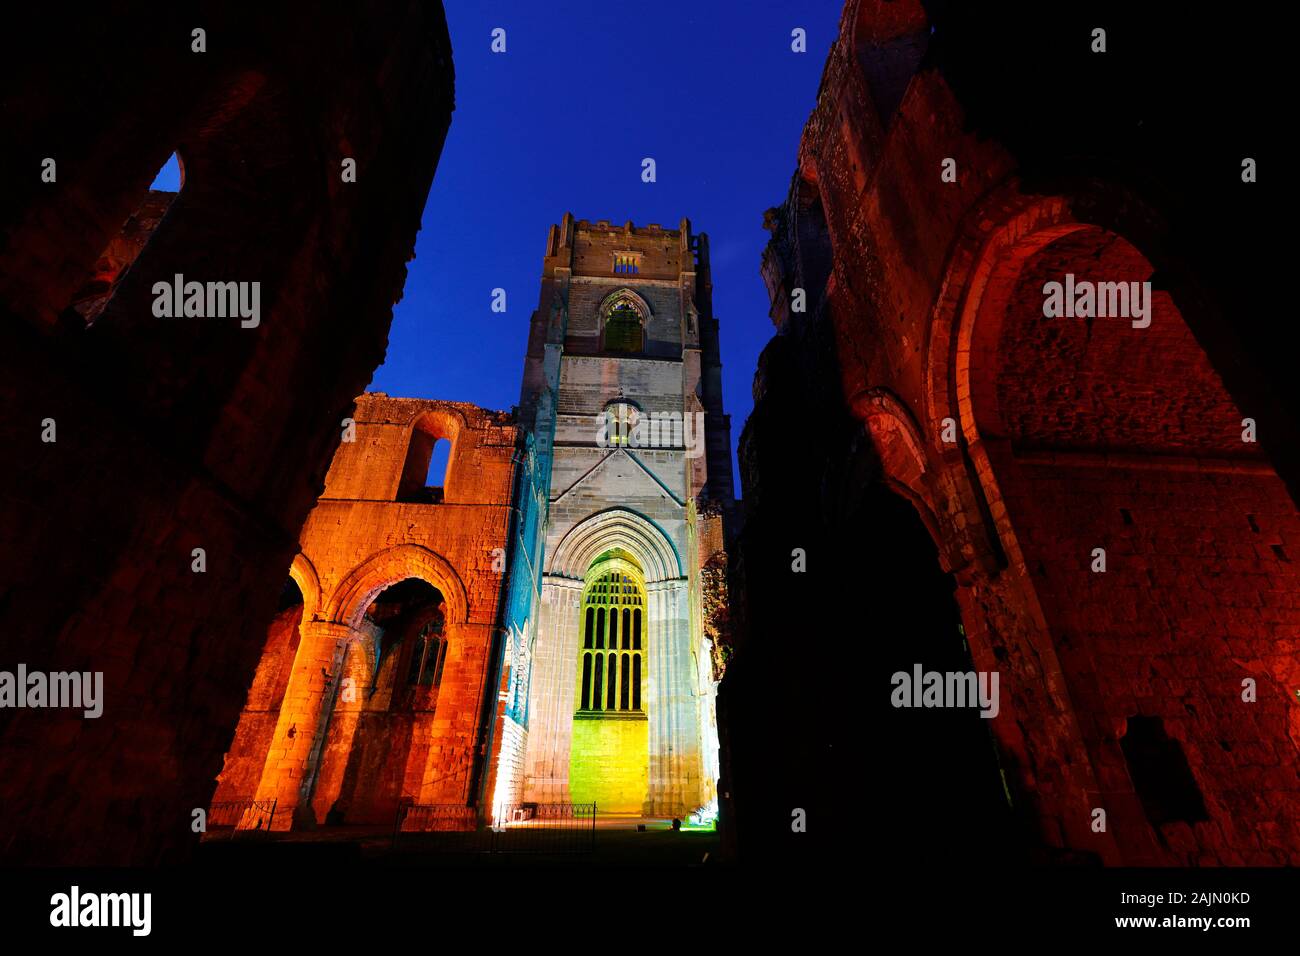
point(623, 328)
point(627, 264)
point(620, 421)
point(623, 318)
point(610, 678)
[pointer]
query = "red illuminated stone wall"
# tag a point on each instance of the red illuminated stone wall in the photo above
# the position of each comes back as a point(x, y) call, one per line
point(183, 434)
point(1026, 442)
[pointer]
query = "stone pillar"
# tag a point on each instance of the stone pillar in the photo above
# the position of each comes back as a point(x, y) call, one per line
point(294, 756)
point(339, 730)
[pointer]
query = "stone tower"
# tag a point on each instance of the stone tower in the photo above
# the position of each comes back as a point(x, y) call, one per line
point(622, 392)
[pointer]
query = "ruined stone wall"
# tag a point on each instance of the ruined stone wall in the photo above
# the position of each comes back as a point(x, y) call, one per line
point(1026, 442)
point(247, 754)
point(177, 434)
point(391, 742)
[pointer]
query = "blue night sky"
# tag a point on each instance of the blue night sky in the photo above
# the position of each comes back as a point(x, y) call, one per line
point(560, 122)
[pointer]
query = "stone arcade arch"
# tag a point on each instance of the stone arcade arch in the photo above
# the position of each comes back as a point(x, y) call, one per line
point(1065, 446)
point(380, 730)
point(304, 575)
point(357, 590)
point(333, 656)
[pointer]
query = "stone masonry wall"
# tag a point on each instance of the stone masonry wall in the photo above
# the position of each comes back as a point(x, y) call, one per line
point(1025, 442)
point(178, 434)
point(357, 542)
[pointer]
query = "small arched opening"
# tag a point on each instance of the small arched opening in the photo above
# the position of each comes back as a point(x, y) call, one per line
point(427, 471)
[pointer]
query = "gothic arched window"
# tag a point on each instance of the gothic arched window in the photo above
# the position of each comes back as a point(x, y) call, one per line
point(623, 329)
point(613, 647)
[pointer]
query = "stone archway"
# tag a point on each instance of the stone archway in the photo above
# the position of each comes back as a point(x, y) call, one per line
point(377, 741)
point(329, 659)
point(1091, 439)
point(303, 572)
point(353, 595)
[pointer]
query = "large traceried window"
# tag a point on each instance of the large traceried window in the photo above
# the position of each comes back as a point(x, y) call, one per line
point(612, 657)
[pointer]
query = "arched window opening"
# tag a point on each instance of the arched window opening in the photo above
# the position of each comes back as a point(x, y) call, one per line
point(610, 681)
point(407, 622)
point(623, 327)
point(290, 595)
point(170, 177)
point(435, 477)
point(427, 470)
point(291, 599)
point(90, 300)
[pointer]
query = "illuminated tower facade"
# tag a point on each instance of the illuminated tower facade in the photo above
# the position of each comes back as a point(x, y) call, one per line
point(622, 393)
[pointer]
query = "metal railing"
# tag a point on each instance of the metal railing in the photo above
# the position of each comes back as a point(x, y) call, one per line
point(540, 828)
point(241, 817)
